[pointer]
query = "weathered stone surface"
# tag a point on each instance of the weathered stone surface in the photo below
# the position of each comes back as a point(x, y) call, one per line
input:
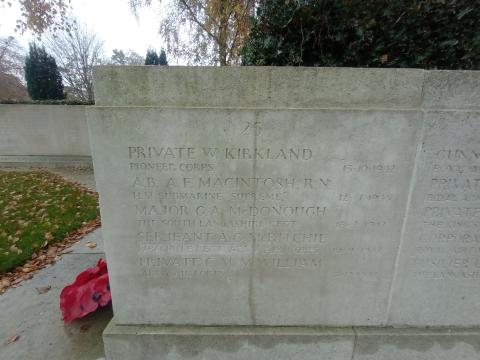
point(437, 282)
point(417, 344)
point(363, 208)
point(448, 89)
point(226, 343)
point(328, 267)
point(167, 263)
point(43, 131)
point(258, 87)
point(302, 231)
point(23, 161)
point(129, 342)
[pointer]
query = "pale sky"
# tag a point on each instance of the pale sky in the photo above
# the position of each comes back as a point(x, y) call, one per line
point(111, 20)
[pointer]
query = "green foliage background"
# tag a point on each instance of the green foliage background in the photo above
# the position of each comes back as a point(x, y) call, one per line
point(44, 81)
point(428, 34)
point(162, 58)
point(151, 58)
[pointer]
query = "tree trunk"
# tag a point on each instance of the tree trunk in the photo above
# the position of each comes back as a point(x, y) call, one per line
point(223, 41)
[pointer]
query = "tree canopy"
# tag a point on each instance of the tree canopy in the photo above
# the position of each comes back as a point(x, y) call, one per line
point(41, 73)
point(204, 31)
point(151, 58)
point(12, 56)
point(369, 33)
point(119, 57)
point(41, 15)
point(76, 52)
point(162, 58)
point(12, 60)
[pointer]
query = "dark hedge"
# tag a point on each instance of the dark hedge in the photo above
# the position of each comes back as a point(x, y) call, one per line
point(431, 34)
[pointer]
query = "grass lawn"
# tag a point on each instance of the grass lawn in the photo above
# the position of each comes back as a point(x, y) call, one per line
point(36, 209)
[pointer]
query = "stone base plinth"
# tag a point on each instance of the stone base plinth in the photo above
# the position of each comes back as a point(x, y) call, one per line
point(128, 342)
point(45, 161)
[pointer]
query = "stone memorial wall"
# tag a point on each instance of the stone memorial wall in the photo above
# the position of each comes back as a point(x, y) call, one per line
point(280, 197)
point(44, 135)
point(438, 279)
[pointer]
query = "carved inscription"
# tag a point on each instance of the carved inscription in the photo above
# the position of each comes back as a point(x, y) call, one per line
point(194, 221)
point(448, 246)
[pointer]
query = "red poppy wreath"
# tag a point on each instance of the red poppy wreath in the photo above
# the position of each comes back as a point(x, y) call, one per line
point(89, 291)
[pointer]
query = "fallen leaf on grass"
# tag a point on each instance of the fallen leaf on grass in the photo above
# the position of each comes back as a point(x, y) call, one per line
point(12, 339)
point(42, 258)
point(14, 249)
point(52, 251)
point(91, 245)
point(43, 289)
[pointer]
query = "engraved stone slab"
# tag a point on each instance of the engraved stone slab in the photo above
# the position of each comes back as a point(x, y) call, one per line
point(333, 266)
point(173, 245)
point(287, 217)
point(438, 281)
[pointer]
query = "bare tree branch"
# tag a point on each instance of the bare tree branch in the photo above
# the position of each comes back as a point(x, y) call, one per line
point(76, 53)
point(12, 57)
point(215, 29)
point(194, 18)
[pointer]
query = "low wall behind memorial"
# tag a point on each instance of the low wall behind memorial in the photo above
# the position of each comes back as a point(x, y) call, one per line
point(43, 135)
